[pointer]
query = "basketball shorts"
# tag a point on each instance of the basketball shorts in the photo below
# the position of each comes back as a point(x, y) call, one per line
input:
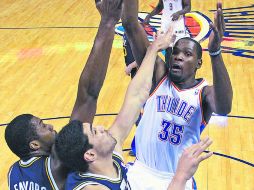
point(142, 177)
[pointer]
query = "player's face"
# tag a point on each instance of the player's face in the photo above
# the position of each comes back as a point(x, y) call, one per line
point(183, 62)
point(45, 132)
point(103, 142)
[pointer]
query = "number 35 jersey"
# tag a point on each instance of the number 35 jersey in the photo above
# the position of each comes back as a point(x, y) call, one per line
point(172, 121)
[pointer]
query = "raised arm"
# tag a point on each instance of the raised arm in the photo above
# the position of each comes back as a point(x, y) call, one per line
point(218, 97)
point(155, 11)
point(138, 39)
point(186, 9)
point(138, 91)
point(135, 32)
point(94, 72)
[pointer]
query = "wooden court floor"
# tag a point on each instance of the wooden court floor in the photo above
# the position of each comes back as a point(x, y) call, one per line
point(45, 44)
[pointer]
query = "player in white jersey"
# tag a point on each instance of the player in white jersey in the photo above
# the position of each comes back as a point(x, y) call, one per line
point(176, 117)
point(172, 10)
point(176, 121)
point(180, 104)
point(89, 150)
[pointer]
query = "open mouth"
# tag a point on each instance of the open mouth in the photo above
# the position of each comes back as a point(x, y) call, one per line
point(175, 67)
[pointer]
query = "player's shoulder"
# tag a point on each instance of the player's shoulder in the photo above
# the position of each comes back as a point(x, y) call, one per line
point(31, 161)
point(95, 187)
point(85, 181)
point(27, 163)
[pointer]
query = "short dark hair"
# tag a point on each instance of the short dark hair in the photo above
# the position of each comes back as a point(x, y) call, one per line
point(71, 144)
point(19, 133)
point(198, 46)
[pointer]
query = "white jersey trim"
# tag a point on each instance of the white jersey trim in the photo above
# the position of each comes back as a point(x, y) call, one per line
point(9, 178)
point(84, 184)
point(28, 162)
point(181, 90)
point(118, 154)
point(158, 85)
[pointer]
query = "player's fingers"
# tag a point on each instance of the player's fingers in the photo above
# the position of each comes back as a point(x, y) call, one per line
point(170, 29)
point(204, 156)
point(173, 39)
point(214, 30)
point(215, 17)
point(87, 125)
point(170, 33)
point(207, 143)
point(160, 33)
point(223, 26)
point(202, 147)
point(219, 5)
point(220, 23)
point(191, 150)
point(223, 23)
point(154, 36)
point(204, 140)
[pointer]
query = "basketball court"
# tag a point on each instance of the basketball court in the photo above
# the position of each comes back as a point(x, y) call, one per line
point(45, 44)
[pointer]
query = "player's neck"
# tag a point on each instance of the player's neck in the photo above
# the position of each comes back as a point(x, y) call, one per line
point(56, 165)
point(59, 171)
point(186, 84)
point(104, 167)
point(38, 153)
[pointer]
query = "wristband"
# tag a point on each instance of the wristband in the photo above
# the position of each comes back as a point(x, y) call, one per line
point(213, 54)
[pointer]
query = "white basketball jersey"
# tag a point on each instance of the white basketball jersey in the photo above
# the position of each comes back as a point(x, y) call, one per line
point(172, 120)
point(171, 7)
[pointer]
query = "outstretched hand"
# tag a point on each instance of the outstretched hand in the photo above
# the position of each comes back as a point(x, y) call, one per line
point(175, 16)
point(191, 157)
point(164, 40)
point(218, 28)
point(110, 10)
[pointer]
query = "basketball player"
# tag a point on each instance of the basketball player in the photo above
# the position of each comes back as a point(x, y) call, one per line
point(96, 154)
point(31, 140)
point(180, 105)
point(173, 10)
